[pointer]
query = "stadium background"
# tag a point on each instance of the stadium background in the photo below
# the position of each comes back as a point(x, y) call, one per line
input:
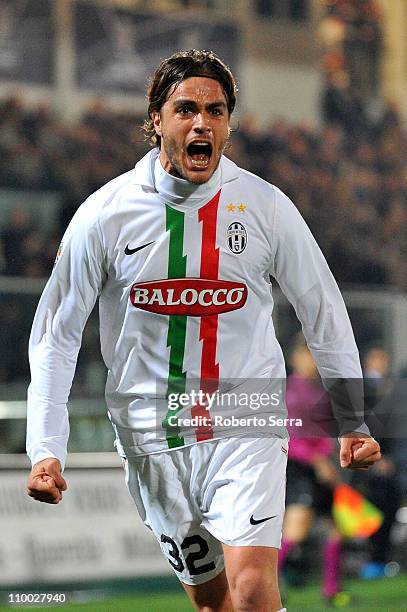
point(322, 114)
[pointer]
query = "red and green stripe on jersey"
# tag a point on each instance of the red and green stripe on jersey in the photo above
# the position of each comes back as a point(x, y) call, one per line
point(209, 269)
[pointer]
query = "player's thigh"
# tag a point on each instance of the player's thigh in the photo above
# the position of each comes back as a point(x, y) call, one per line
point(165, 505)
point(211, 595)
point(244, 499)
point(261, 560)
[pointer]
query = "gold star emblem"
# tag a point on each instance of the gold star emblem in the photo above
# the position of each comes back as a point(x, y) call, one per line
point(231, 207)
point(242, 207)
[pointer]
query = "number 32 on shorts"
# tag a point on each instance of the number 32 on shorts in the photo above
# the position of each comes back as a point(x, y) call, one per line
point(176, 561)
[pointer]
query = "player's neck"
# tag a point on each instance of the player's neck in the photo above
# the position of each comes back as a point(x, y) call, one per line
point(179, 191)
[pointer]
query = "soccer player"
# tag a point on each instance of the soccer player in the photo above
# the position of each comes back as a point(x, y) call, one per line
point(179, 251)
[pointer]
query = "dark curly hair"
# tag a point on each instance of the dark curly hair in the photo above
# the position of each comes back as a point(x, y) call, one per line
point(175, 69)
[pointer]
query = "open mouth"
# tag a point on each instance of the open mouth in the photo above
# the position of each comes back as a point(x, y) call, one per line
point(200, 153)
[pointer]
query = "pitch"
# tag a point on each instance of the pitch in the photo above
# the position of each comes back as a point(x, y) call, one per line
point(385, 595)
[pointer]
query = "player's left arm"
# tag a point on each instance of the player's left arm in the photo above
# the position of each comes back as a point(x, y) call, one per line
point(305, 278)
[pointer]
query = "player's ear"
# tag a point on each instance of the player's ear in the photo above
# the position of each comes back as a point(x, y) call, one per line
point(156, 119)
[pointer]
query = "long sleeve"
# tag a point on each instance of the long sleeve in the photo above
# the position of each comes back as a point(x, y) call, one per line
point(306, 280)
point(56, 335)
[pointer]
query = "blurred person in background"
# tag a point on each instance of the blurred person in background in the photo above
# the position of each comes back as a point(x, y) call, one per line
point(24, 247)
point(17, 228)
point(397, 399)
point(311, 471)
point(381, 485)
point(148, 224)
point(14, 332)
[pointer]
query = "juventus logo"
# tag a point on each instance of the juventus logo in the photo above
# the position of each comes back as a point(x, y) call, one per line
point(236, 237)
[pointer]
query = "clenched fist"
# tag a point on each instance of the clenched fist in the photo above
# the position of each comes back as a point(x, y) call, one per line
point(45, 482)
point(358, 452)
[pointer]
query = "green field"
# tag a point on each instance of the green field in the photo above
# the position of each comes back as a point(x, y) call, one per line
point(387, 595)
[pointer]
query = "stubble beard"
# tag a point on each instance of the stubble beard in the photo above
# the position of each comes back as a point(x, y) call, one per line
point(170, 150)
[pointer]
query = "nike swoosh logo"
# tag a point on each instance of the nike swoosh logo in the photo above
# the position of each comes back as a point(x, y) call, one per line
point(128, 251)
point(254, 521)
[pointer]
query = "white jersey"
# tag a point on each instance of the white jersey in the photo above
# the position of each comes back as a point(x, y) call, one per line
point(182, 275)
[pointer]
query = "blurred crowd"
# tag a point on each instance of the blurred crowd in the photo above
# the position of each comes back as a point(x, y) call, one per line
point(38, 152)
point(351, 34)
point(349, 180)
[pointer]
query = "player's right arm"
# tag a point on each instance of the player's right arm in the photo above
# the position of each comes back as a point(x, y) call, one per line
point(55, 340)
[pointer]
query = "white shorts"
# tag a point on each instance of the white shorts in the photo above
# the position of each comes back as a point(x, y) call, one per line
point(195, 498)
